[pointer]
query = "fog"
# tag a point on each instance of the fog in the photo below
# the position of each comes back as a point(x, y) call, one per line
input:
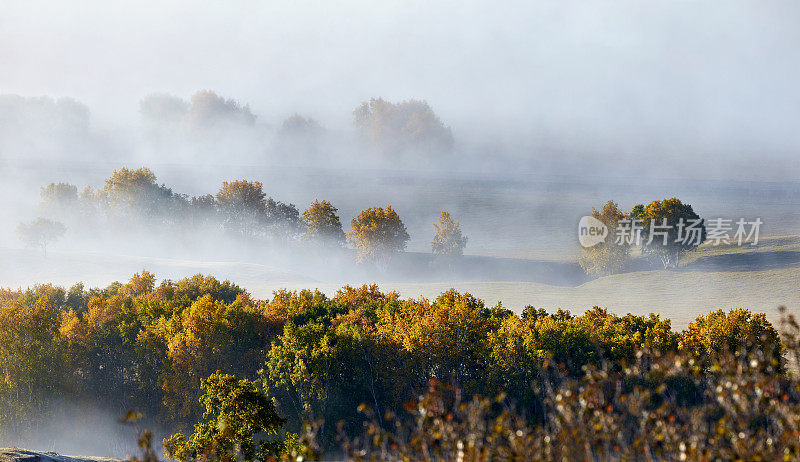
point(673, 80)
point(518, 118)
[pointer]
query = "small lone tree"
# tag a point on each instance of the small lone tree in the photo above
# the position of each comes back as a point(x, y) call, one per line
point(607, 257)
point(377, 234)
point(40, 232)
point(323, 225)
point(448, 239)
point(670, 229)
point(236, 413)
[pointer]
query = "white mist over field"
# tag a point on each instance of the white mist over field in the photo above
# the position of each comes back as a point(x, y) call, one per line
point(520, 118)
point(626, 86)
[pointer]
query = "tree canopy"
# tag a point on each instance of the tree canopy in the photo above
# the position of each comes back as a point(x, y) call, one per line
point(448, 239)
point(670, 229)
point(377, 234)
point(396, 128)
point(609, 257)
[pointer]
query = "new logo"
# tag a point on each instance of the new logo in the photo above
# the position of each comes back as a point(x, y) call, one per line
point(591, 231)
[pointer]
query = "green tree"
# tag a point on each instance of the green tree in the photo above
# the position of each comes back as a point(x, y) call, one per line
point(237, 414)
point(378, 234)
point(322, 224)
point(448, 239)
point(607, 257)
point(670, 229)
point(40, 232)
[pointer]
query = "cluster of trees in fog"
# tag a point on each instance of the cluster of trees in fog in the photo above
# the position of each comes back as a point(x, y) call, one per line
point(42, 127)
point(132, 202)
point(207, 123)
point(164, 349)
point(666, 244)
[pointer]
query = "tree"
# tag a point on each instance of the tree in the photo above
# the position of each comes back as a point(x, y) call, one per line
point(160, 109)
point(237, 413)
point(40, 232)
point(283, 220)
point(322, 224)
point(136, 196)
point(209, 110)
point(607, 257)
point(670, 229)
point(300, 136)
point(739, 332)
point(377, 234)
point(448, 239)
point(394, 128)
point(59, 200)
point(243, 206)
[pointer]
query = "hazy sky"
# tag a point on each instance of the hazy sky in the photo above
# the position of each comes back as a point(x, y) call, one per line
point(672, 76)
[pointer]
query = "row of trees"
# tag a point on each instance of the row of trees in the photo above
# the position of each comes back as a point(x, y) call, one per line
point(132, 200)
point(666, 243)
point(151, 347)
point(386, 128)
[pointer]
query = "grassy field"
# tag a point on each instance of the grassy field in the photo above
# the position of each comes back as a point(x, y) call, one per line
point(760, 278)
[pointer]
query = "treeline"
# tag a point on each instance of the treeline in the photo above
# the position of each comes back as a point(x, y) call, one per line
point(207, 123)
point(133, 203)
point(149, 346)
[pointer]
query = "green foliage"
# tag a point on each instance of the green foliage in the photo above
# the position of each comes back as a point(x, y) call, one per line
point(237, 416)
point(148, 346)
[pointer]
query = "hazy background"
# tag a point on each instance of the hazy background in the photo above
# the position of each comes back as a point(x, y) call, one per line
point(669, 83)
point(554, 108)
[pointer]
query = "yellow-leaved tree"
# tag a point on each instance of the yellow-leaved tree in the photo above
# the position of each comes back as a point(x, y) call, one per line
point(448, 239)
point(378, 234)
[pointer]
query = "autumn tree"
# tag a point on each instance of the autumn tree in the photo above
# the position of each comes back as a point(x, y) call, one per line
point(135, 196)
point(205, 110)
point(670, 229)
point(610, 256)
point(243, 206)
point(448, 239)
point(377, 234)
point(408, 126)
point(31, 359)
point(322, 224)
point(211, 335)
point(40, 232)
point(238, 416)
point(739, 332)
point(59, 201)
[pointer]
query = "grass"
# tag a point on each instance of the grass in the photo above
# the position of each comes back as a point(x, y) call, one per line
point(760, 278)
